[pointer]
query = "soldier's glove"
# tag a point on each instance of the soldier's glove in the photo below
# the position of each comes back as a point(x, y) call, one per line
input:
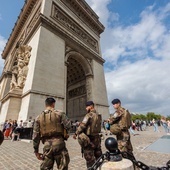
point(74, 136)
point(39, 156)
point(110, 121)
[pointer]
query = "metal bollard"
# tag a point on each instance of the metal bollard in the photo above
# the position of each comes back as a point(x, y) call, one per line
point(115, 160)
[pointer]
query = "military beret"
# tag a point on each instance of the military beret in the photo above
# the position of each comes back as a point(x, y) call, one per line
point(89, 103)
point(115, 101)
point(50, 100)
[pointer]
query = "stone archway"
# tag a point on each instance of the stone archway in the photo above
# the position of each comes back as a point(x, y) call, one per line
point(78, 71)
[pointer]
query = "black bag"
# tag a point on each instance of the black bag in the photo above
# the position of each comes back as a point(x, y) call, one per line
point(1, 137)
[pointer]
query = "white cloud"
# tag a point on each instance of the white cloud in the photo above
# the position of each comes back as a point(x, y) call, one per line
point(136, 40)
point(138, 56)
point(2, 45)
point(100, 8)
point(142, 86)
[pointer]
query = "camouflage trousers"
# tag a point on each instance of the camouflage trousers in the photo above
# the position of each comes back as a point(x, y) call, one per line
point(124, 143)
point(55, 151)
point(93, 151)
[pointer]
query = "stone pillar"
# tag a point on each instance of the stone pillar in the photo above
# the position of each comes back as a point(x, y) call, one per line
point(11, 104)
point(124, 164)
point(89, 87)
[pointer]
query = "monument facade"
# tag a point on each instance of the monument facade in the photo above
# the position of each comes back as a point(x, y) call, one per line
point(53, 50)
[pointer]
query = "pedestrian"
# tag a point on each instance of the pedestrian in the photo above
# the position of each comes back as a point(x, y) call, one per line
point(168, 121)
point(132, 128)
point(15, 134)
point(50, 127)
point(8, 128)
point(4, 126)
point(107, 128)
point(88, 134)
point(14, 125)
point(155, 125)
point(164, 124)
point(29, 124)
point(120, 123)
point(21, 124)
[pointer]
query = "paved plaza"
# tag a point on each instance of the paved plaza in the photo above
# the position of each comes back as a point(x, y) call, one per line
point(18, 155)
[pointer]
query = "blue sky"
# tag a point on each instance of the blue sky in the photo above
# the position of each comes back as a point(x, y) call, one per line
point(135, 45)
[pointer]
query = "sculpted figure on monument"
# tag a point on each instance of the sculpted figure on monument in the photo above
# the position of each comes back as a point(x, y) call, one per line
point(19, 71)
point(14, 77)
point(22, 74)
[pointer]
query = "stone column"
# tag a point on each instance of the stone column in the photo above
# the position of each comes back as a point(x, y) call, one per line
point(89, 87)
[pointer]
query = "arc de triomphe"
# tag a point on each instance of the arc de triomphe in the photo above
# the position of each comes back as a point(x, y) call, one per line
point(53, 50)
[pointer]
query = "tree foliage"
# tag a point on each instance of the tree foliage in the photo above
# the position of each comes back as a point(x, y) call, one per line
point(149, 116)
point(168, 117)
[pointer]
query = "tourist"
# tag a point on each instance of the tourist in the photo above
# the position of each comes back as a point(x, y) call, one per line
point(4, 126)
point(155, 125)
point(164, 124)
point(8, 129)
point(132, 128)
point(29, 124)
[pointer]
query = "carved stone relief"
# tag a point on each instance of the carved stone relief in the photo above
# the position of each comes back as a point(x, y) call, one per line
point(33, 21)
point(85, 14)
point(68, 49)
point(89, 88)
point(62, 18)
point(20, 67)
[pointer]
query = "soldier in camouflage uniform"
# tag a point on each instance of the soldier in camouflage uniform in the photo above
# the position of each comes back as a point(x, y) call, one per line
point(88, 135)
point(120, 123)
point(49, 127)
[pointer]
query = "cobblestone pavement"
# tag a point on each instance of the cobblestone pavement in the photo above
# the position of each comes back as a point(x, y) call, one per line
point(18, 155)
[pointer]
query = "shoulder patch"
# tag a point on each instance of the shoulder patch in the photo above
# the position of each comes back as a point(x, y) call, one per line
point(85, 120)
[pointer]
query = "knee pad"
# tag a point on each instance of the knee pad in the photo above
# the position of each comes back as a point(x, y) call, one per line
point(89, 156)
point(98, 154)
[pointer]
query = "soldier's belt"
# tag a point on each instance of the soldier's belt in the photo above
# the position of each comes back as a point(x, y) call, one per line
point(52, 137)
point(92, 136)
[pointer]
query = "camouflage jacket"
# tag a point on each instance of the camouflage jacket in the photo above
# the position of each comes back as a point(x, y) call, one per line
point(37, 132)
point(89, 124)
point(121, 117)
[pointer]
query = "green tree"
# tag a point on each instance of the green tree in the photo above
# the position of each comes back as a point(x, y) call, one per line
point(152, 115)
point(168, 117)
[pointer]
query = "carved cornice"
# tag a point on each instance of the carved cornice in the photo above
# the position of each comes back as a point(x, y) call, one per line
point(86, 14)
point(27, 23)
point(33, 21)
point(14, 94)
point(67, 22)
point(36, 92)
point(56, 28)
